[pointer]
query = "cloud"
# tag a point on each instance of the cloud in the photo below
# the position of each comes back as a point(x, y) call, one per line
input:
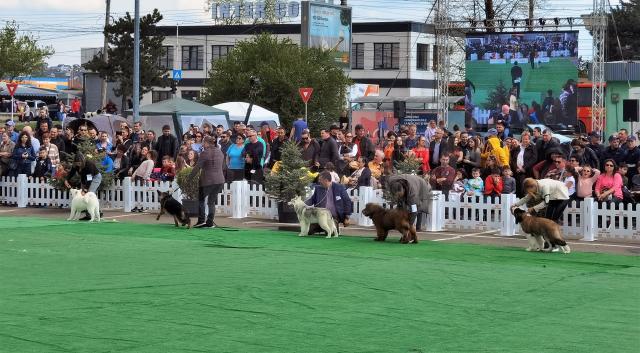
point(60, 5)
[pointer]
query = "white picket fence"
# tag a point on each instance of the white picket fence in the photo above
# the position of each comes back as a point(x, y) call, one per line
point(588, 220)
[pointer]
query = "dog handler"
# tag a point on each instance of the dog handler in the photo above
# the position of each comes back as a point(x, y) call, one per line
point(90, 177)
point(211, 163)
point(411, 193)
point(332, 196)
point(552, 194)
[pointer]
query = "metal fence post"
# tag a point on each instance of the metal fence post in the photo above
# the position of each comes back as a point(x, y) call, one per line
point(589, 219)
point(508, 223)
point(22, 190)
point(127, 194)
point(435, 217)
point(239, 196)
point(365, 195)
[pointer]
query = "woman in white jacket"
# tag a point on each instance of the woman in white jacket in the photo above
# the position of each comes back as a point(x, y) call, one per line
point(550, 194)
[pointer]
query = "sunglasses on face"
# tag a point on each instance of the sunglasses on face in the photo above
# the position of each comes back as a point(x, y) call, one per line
point(608, 165)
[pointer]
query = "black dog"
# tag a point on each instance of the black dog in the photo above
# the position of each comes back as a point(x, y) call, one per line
point(173, 207)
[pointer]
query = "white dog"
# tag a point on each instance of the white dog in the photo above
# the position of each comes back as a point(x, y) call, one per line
point(308, 215)
point(84, 202)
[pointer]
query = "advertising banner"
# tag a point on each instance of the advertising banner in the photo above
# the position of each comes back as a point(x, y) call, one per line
point(534, 73)
point(328, 27)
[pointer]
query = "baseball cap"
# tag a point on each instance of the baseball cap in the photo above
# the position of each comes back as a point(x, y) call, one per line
point(334, 127)
point(613, 137)
point(492, 132)
point(594, 134)
point(264, 123)
point(10, 123)
point(359, 126)
point(632, 138)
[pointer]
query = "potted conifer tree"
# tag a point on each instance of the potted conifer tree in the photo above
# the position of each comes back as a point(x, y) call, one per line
point(289, 178)
point(189, 186)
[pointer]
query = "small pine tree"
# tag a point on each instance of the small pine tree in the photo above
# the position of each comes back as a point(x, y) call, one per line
point(291, 178)
point(410, 165)
point(499, 95)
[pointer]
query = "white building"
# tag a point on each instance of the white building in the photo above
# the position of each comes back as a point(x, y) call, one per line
point(396, 55)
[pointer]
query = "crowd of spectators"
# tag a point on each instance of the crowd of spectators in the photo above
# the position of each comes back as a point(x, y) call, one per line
point(458, 161)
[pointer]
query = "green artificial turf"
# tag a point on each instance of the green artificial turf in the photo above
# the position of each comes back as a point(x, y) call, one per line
point(534, 85)
point(123, 287)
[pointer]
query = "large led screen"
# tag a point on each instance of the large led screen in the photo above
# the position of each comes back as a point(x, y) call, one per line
point(534, 73)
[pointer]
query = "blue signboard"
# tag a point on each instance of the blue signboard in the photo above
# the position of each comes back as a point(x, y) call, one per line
point(177, 75)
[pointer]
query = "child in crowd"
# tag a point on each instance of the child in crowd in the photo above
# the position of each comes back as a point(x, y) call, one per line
point(458, 184)
point(569, 179)
point(493, 184)
point(43, 164)
point(508, 182)
point(475, 185)
point(586, 179)
point(168, 171)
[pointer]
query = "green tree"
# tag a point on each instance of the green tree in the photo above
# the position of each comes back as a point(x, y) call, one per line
point(119, 67)
point(625, 22)
point(282, 67)
point(20, 55)
point(498, 96)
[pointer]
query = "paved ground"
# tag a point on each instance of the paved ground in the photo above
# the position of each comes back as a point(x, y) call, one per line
point(487, 237)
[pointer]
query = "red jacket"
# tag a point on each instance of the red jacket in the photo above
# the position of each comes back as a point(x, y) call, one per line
point(75, 106)
point(491, 188)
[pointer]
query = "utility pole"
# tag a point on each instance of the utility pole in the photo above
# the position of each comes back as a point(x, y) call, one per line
point(531, 4)
point(136, 63)
point(105, 56)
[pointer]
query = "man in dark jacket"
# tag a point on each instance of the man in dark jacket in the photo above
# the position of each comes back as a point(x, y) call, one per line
point(253, 153)
point(276, 145)
point(614, 151)
point(366, 148)
point(211, 163)
point(328, 150)
point(437, 147)
point(167, 145)
point(523, 156)
point(332, 196)
point(545, 144)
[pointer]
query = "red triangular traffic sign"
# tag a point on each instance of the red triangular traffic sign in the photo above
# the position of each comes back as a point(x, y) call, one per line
point(11, 87)
point(305, 93)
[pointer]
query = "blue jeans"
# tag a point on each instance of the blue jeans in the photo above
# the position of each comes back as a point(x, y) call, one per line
point(95, 183)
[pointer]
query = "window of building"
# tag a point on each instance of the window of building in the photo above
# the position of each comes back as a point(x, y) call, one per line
point(357, 56)
point(190, 95)
point(386, 55)
point(422, 57)
point(165, 62)
point(192, 57)
point(159, 96)
point(220, 51)
point(435, 58)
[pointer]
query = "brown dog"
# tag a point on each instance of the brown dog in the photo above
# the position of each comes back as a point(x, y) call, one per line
point(386, 220)
point(537, 228)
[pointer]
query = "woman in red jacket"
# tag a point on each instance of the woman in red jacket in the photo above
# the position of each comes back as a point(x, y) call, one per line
point(421, 151)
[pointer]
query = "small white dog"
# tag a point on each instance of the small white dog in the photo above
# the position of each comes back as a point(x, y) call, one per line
point(308, 215)
point(84, 202)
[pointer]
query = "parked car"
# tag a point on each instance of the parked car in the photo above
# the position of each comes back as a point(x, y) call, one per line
point(34, 107)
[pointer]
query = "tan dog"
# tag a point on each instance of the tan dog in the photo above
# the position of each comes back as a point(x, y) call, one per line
point(388, 219)
point(538, 229)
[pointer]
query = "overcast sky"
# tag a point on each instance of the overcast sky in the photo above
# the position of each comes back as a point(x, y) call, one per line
point(71, 25)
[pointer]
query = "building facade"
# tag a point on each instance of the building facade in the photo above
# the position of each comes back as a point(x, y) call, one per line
point(399, 56)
